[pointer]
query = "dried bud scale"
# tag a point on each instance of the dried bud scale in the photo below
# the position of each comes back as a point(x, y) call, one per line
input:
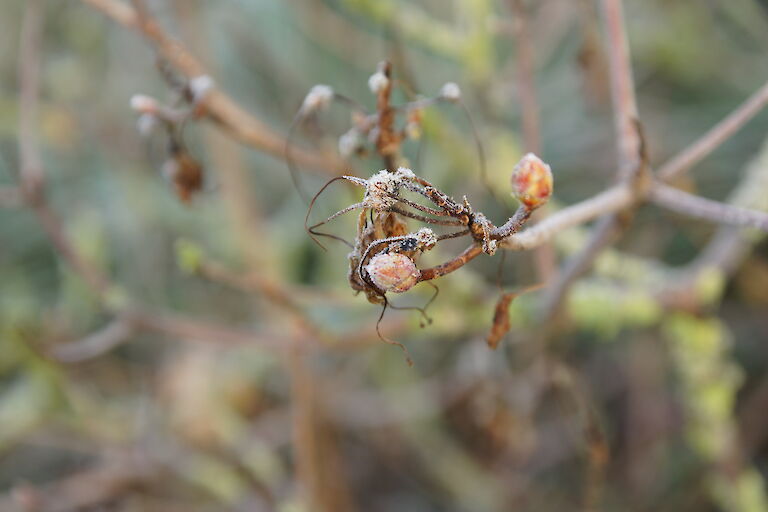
point(532, 181)
point(393, 272)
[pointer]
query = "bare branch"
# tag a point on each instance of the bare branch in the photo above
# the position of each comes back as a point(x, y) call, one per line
point(695, 206)
point(29, 89)
point(526, 77)
point(95, 344)
point(715, 136)
point(622, 88)
point(31, 170)
point(608, 201)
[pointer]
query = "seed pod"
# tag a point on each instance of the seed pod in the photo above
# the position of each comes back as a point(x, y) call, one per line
point(532, 181)
point(393, 272)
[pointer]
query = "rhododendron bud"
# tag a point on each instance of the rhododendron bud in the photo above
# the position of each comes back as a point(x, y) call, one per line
point(532, 181)
point(393, 272)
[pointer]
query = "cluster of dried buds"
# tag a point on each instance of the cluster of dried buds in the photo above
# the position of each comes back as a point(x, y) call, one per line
point(180, 168)
point(384, 256)
point(373, 132)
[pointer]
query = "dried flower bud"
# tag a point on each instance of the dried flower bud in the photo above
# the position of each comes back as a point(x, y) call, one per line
point(200, 86)
point(532, 181)
point(185, 173)
point(383, 186)
point(350, 143)
point(413, 125)
point(426, 239)
point(318, 98)
point(451, 92)
point(144, 104)
point(378, 82)
point(393, 272)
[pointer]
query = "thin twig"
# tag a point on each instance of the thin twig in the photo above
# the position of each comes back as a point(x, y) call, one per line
point(31, 172)
point(608, 201)
point(715, 136)
point(525, 73)
point(31, 168)
point(699, 207)
point(622, 88)
point(96, 344)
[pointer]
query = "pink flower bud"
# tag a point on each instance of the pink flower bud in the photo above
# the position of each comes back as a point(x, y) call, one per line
point(393, 272)
point(532, 181)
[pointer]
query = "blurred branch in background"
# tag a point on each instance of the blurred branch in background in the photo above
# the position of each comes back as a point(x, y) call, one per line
point(647, 394)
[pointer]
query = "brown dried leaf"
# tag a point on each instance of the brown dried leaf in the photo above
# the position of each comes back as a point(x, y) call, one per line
point(501, 324)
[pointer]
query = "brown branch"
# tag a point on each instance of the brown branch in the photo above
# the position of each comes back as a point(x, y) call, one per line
point(470, 253)
point(526, 77)
point(219, 106)
point(31, 168)
point(715, 136)
point(31, 172)
point(525, 72)
point(622, 88)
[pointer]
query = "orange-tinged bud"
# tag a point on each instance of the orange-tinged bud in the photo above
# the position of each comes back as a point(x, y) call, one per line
point(532, 181)
point(393, 272)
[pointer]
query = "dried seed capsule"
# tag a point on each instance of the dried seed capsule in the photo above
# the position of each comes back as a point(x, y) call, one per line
point(393, 272)
point(532, 181)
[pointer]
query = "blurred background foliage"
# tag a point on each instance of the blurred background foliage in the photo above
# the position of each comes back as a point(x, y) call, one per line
point(678, 394)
